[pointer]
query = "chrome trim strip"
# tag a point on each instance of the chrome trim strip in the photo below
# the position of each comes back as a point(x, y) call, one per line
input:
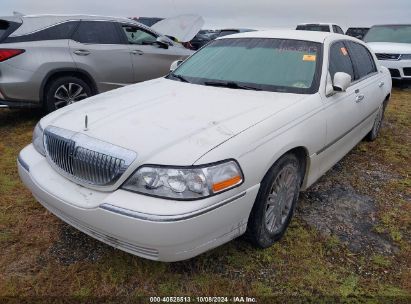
point(168, 218)
point(345, 134)
point(23, 163)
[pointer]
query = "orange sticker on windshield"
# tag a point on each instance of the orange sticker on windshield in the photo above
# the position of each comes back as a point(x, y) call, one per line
point(310, 57)
point(344, 51)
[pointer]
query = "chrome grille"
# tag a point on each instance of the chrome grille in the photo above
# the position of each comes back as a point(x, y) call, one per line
point(382, 56)
point(85, 159)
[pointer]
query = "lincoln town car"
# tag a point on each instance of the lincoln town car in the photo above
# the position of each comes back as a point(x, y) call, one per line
point(172, 167)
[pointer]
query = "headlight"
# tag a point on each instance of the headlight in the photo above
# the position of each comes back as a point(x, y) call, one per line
point(38, 142)
point(405, 57)
point(185, 183)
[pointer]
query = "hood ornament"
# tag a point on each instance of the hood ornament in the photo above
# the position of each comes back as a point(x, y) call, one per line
point(86, 123)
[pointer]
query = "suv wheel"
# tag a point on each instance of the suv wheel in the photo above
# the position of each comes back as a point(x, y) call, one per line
point(65, 91)
point(275, 203)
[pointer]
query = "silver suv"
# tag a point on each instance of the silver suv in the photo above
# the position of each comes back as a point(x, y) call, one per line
point(53, 61)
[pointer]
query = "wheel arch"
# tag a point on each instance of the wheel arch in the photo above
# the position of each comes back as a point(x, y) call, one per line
point(303, 157)
point(57, 73)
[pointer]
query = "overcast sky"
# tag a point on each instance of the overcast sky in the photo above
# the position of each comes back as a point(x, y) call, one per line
point(231, 13)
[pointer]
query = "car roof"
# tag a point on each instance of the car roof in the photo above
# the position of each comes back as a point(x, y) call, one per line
point(286, 34)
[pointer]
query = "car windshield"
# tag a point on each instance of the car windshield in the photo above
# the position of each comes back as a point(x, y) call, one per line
point(314, 28)
point(276, 65)
point(389, 33)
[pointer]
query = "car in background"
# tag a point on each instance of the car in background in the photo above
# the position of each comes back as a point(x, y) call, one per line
point(202, 38)
point(170, 168)
point(205, 36)
point(56, 60)
point(148, 21)
point(320, 27)
point(357, 32)
point(392, 46)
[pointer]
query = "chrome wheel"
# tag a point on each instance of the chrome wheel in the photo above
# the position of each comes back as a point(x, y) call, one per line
point(69, 93)
point(280, 199)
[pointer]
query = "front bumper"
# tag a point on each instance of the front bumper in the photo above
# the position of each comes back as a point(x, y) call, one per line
point(156, 234)
point(399, 69)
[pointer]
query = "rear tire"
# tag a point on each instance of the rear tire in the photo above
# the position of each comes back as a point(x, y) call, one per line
point(275, 203)
point(377, 124)
point(64, 91)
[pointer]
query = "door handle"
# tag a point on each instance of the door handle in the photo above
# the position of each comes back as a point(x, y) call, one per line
point(359, 98)
point(82, 52)
point(381, 84)
point(137, 52)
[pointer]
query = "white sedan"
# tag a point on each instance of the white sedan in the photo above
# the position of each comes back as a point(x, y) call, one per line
point(170, 168)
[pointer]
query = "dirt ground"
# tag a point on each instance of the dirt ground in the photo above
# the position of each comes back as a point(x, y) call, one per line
point(350, 238)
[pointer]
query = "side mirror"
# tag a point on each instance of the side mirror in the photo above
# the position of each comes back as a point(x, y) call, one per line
point(163, 42)
point(341, 81)
point(175, 65)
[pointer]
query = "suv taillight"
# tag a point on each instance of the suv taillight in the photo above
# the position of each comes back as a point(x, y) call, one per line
point(9, 53)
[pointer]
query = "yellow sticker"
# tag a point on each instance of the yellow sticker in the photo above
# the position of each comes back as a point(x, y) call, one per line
point(344, 51)
point(310, 58)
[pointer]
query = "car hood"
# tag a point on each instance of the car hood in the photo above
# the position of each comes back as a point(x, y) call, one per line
point(183, 27)
point(390, 47)
point(170, 122)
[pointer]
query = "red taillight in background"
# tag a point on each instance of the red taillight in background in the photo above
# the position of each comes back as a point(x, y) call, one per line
point(9, 53)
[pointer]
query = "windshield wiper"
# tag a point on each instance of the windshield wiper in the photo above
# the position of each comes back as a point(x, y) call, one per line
point(231, 85)
point(179, 77)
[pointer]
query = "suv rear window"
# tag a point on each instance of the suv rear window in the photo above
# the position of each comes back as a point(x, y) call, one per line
point(314, 28)
point(6, 28)
point(56, 32)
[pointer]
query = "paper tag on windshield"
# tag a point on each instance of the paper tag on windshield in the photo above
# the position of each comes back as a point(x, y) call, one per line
point(344, 51)
point(309, 57)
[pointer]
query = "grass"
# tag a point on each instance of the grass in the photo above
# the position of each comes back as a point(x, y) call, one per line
point(304, 263)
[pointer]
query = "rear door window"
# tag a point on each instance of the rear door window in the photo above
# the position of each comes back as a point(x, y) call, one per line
point(97, 32)
point(340, 60)
point(56, 32)
point(363, 61)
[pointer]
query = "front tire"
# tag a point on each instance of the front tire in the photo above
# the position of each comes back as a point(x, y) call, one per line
point(275, 203)
point(64, 91)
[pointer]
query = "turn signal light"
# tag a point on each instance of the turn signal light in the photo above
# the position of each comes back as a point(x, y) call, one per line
point(217, 187)
point(9, 53)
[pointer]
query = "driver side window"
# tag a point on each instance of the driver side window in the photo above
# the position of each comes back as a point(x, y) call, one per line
point(340, 60)
point(138, 36)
